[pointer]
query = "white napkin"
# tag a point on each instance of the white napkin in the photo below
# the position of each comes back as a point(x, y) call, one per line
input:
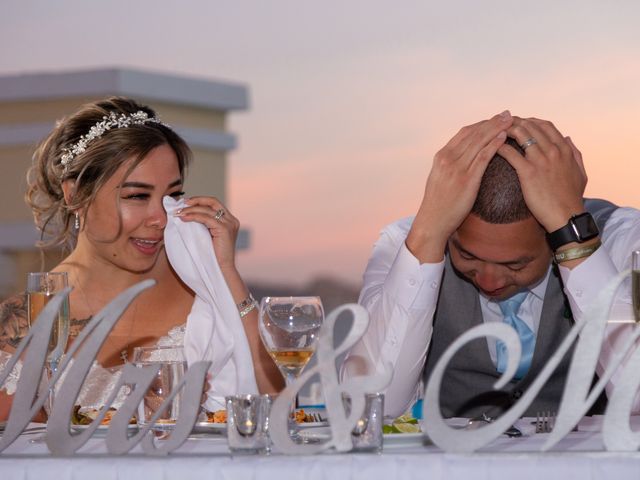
point(214, 329)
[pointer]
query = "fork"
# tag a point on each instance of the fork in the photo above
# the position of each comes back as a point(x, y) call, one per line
point(545, 421)
point(473, 423)
point(315, 417)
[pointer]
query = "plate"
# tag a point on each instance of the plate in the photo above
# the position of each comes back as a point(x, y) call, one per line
point(324, 423)
point(102, 428)
point(199, 427)
point(393, 439)
point(210, 427)
point(315, 435)
point(390, 440)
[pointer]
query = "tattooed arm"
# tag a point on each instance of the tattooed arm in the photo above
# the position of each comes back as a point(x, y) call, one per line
point(75, 327)
point(13, 322)
point(13, 327)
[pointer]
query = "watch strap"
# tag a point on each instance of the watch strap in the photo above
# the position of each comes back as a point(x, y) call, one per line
point(579, 228)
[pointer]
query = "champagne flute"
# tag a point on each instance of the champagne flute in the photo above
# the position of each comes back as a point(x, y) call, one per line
point(289, 328)
point(635, 283)
point(42, 287)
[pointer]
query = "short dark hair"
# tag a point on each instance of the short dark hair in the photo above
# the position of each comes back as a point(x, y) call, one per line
point(500, 198)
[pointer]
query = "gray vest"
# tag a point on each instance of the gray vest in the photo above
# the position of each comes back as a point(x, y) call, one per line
point(466, 389)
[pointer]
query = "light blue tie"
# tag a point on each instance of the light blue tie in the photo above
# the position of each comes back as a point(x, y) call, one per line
point(509, 309)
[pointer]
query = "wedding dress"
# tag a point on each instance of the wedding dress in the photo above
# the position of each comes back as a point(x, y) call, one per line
point(99, 382)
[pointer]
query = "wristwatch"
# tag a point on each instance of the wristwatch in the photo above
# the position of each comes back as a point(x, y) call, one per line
point(580, 228)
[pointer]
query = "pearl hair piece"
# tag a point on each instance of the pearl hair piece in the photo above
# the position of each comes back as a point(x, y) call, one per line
point(108, 122)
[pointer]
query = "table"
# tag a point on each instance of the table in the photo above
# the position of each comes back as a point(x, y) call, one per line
point(579, 455)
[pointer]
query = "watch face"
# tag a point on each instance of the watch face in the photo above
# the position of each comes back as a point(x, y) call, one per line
point(585, 227)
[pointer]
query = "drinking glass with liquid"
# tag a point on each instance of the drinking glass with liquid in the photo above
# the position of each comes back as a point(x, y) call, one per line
point(173, 367)
point(289, 328)
point(41, 288)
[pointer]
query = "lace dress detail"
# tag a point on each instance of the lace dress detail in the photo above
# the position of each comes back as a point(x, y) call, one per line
point(11, 382)
point(175, 337)
point(100, 381)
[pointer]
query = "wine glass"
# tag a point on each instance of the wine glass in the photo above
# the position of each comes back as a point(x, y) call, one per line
point(635, 283)
point(42, 287)
point(289, 328)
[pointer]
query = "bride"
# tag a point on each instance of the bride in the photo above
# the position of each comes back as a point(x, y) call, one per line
point(97, 186)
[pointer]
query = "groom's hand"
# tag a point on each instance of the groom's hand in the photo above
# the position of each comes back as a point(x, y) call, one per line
point(453, 185)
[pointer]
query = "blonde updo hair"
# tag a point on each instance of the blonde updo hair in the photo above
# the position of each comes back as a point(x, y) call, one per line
point(54, 217)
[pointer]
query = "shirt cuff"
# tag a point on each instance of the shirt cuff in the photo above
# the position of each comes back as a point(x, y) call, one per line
point(412, 285)
point(586, 281)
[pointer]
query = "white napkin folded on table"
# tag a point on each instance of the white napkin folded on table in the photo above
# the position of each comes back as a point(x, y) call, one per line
point(214, 329)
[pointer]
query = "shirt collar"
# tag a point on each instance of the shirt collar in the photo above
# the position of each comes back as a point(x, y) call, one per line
point(537, 290)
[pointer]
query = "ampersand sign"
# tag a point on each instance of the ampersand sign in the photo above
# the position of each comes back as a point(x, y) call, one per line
point(355, 389)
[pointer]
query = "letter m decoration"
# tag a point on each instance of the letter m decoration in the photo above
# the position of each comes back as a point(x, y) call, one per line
point(26, 401)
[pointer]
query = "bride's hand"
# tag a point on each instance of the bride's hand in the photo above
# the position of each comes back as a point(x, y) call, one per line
point(222, 225)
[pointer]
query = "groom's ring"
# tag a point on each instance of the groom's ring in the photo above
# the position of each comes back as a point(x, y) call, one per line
point(527, 143)
point(219, 214)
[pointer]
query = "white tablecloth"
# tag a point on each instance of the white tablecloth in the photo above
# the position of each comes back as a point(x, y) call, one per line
point(580, 456)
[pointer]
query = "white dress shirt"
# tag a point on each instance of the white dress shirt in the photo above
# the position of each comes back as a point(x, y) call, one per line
point(401, 296)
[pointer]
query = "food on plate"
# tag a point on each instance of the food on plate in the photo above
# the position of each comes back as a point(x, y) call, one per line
point(304, 417)
point(165, 421)
point(402, 424)
point(84, 416)
point(219, 416)
point(300, 416)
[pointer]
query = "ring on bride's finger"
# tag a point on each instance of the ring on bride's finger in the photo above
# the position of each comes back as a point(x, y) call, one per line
point(219, 214)
point(527, 143)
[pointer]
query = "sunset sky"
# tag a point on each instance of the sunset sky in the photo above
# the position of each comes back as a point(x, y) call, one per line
point(351, 99)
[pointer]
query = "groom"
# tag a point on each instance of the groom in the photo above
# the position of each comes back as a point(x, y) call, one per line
point(503, 234)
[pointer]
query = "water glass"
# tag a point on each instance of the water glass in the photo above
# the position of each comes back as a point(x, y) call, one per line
point(173, 366)
point(248, 423)
point(367, 434)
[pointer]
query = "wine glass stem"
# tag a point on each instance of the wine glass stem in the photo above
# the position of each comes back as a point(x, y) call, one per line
point(289, 378)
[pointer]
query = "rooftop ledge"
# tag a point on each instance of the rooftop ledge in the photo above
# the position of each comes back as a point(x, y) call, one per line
point(162, 87)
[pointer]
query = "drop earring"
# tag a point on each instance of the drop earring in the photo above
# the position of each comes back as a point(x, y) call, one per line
point(76, 223)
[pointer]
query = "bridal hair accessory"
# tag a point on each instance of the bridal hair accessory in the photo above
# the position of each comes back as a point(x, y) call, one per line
point(108, 122)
